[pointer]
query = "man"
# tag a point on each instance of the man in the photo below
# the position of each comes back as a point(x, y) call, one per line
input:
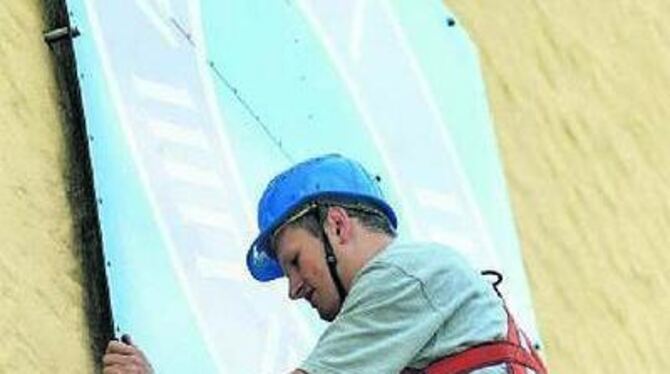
point(393, 306)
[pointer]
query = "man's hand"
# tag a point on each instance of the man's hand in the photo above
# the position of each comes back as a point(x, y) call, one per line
point(124, 358)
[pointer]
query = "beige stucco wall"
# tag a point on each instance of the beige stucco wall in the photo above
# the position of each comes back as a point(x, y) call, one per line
point(42, 325)
point(577, 90)
point(580, 93)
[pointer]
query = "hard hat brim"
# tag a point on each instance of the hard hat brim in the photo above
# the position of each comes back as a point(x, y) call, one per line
point(261, 265)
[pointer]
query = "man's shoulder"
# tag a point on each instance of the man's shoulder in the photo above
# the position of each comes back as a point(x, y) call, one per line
point(403, 264)
point(417, 258)
point(442, 272)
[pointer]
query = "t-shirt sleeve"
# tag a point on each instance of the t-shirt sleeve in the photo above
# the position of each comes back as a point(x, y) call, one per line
point(386, 319)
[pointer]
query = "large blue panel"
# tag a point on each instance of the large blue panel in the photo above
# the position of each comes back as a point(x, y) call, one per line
point(192, 106)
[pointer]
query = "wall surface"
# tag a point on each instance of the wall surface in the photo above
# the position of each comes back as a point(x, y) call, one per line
point(42, 321)
point(577, 92)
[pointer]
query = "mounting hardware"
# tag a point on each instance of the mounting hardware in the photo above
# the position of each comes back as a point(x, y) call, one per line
point(60, 33)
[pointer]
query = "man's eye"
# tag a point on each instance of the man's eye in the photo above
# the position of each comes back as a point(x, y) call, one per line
point(294, 262)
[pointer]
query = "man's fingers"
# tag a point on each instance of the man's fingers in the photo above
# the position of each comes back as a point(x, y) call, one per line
point(123, 357)
point(122, 361)
point(111, 370)
point(115, 359)
point(121, 348)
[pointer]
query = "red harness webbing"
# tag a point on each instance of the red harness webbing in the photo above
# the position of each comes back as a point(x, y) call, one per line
point(510, 351)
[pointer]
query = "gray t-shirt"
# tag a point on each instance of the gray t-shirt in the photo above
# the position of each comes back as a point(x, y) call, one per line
point(412, 304)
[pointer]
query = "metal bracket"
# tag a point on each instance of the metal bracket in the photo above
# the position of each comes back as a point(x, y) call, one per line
point(56, 35)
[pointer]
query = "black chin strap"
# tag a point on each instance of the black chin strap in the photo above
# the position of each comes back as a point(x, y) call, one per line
point(331, 260)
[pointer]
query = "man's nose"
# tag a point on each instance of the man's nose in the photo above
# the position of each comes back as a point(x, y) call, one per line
point(295, 287)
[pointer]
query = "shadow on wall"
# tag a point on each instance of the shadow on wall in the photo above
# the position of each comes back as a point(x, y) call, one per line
point(80, 189)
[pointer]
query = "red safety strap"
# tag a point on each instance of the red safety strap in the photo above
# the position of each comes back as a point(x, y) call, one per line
point(533, 352)
point(483, 356)
point(513, 338)
point(509, 351)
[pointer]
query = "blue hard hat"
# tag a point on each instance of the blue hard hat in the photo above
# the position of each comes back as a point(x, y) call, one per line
point(331, 177)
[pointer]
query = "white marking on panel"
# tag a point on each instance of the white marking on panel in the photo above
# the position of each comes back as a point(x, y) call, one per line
point(455, 240)
point(177, 133)
point(247, 223)
point(272, 344)
point(446, 202)
point(163, 93)
point(361, 107)
point(357, 30)
point(124, 121)
point(306, 335)
point(293, 358)
point(158, 12)
point(206, 216)
point(193, 175)
point(219, 269)
point(427, 94)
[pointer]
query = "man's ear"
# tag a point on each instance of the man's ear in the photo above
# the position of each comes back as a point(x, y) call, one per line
point(338, 224)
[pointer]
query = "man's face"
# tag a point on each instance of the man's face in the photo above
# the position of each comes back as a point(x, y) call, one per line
point(302, 257)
